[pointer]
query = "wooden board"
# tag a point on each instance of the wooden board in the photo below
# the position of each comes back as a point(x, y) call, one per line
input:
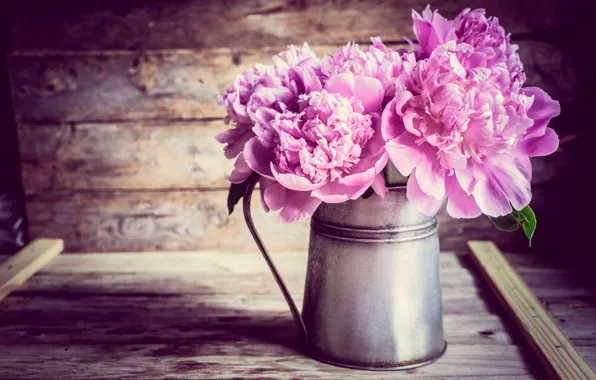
point(184, 84)
point(155, 155)
point(22, 265)
point(556, 352)
point(187, 220)
point(219, 315)
point(129, 156)
point(112, 24)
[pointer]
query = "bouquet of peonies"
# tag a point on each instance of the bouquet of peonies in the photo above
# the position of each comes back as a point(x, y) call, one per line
point(452, 115)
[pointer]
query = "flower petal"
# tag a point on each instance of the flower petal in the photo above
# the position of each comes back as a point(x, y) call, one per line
point(258, 157)
point(541, 145)
point(241, 170)
point(405, 153)
point(391, 124)
point(379, 186)
point(430, 177)
point(298, 205)
point(424, 203)
point(342, 84)
point(274, 196)
point(293, 181)
point(367, 90)
point(370, 92)
point(460, 204)
point(541, 111)
point(513, 174)
point(335, 192)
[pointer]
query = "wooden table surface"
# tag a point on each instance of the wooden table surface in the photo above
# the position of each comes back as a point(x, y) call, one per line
point(217, 315)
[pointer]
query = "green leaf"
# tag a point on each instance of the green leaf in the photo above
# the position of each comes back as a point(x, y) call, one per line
point(235, 194)
point(527, 218)
point(506, 223)
point(524, 218)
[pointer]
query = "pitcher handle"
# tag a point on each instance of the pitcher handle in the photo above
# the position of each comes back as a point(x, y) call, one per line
point(282, 286)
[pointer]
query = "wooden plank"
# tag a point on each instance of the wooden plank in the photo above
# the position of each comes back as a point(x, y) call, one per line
point(170, 84)
point(159, 156)
point(58, 87)
point(104, 221)
point(18, 268)
point(557, 354)
point(146, 220)
point(99, 156)
point(248, 358)
point(111, 24)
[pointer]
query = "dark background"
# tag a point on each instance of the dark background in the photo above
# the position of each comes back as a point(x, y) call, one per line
point(115, 110)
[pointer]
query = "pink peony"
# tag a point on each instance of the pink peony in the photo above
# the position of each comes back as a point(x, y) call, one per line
point(474, 28)
point(376, 61)
point(462, 134)
point(431, 30)
point(485, 34)
point(276, 87)
point(327, 151)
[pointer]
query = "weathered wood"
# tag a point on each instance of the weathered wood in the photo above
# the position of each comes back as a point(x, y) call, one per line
point(556, 352)
point(22, 265)
point(184, 84)
point(114, 156)
point(112, 24)
point(169, 84)
point(152, 155)
point(145, 220)
point(219, 315)
point(226, 361)
point(186, 220)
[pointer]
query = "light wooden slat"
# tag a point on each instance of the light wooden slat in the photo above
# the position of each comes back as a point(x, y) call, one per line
point(162, 24)
point(557, 354)
point(22, 265)
point(57, 87)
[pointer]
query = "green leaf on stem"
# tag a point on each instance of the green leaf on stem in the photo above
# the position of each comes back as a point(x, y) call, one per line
point(527, 219)
point(524, 218)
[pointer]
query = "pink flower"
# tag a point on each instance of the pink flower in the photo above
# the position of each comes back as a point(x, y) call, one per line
point(474, 28)
point(376, 61)
point(327, 151)
point(276, 87)
point(462, 134)
point(431, 29)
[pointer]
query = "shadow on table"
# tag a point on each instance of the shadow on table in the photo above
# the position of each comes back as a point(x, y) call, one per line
point(494, 307)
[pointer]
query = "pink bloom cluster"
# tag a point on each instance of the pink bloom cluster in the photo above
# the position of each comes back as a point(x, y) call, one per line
point(311, 128)
point(453, 116)
point(461, 125)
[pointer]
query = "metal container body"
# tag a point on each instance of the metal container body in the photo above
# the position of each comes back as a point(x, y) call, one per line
point(372, 295)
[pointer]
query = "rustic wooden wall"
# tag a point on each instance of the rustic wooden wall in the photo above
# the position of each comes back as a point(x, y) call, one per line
point(116, 105)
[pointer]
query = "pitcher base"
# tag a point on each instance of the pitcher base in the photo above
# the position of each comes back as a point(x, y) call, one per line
point(382, 367)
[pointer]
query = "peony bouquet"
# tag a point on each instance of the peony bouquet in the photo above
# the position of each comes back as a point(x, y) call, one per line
point(452, 116)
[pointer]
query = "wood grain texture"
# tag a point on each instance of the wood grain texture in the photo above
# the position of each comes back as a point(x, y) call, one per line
point(202, 315)
point(112, 24)
point(555, 351)
point(146, 220)
point(184, 84)
point(130, 156)
point(154, 155)
point(121, 85)
point(187, 220)
point(22, 265)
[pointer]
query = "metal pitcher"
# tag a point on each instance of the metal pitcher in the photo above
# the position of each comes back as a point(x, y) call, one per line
point(372, 297)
